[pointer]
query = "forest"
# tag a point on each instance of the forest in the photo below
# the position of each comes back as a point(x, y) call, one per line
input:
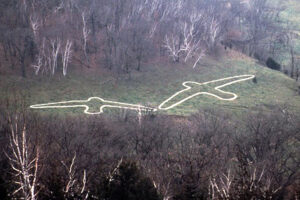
point(149, 99)
point(121, 35)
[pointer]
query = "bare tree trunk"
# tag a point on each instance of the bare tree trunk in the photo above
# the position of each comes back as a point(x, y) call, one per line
point(85, 32)
point(23, 70)
point(24, 164)
point(55, 50)
point(73, 188)
point(66, 56)
point(292, 61)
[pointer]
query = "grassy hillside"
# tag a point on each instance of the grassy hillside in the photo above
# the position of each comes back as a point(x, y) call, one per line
point(157, 82)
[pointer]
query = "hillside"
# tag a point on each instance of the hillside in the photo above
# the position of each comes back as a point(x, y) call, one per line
point(149, 100)
point(154, 84)
point(291, 16)
point(97, 44)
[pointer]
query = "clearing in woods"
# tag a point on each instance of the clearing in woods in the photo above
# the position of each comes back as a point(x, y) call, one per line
point(193, 89)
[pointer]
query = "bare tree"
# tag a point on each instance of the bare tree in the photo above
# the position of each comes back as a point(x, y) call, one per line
point(43, 60)
point(221, 189)
point(55, 44)
point(250, 185)
point(187, 39)
point(35, 24)
point(85, 32)
point(24, 164)
point(213, 31)
point(66, 56)
point(172, 44)
point(73, 188)
point(39, 62)
point(188, 46)
point(192, 45)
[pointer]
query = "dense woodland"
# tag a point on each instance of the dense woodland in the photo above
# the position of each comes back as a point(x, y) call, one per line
point(48, 36)
point(208, 155)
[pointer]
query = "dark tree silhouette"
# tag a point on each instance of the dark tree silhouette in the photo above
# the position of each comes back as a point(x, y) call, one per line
point(128, 183)
point(272, 64)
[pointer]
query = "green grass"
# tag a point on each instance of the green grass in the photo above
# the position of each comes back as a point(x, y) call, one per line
point(291, 15)
point(158, 82)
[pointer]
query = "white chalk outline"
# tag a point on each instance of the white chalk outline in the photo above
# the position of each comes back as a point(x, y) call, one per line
point(248, 77)
point(140, 108)
point(86, 111)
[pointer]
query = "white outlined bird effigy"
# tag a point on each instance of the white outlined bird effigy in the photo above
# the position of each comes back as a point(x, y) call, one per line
point(97, 103)
point(196, 89)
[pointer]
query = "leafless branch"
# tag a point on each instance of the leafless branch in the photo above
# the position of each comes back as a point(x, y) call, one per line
point(222, 188)
point(66, 56)
point(73, 187)
point(55, 44)
point(35, 24)
point(85, 31)
point(24, 165)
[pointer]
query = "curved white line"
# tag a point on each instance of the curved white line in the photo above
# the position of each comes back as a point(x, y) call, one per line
point(86, 110)
point(144, 108)
point(218, 88)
